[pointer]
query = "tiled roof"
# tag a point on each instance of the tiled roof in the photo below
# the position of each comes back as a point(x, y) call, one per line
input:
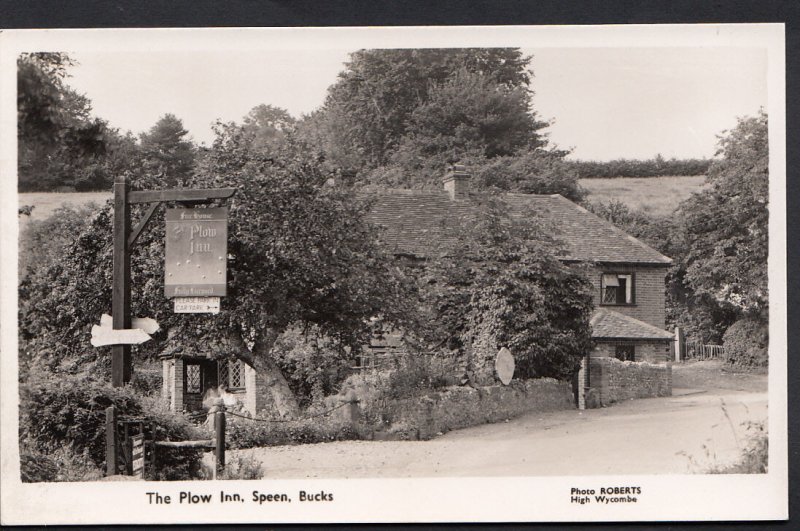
point(420, 222)
point(608, 324)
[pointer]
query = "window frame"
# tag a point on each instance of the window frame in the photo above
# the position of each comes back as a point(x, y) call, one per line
point(187, 378)
point(631, 346)
point(629, 274)
point(225, 367)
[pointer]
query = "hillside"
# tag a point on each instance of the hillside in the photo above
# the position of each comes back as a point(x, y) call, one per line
point(658, 196)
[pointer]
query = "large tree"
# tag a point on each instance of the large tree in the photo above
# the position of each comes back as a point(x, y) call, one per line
point(300, 252)
point(167, 155)
point(367, 110)
point(726, 224)
point(500, 285)
point(59, 142)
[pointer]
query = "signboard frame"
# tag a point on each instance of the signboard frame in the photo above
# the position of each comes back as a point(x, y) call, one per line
point(196, 252)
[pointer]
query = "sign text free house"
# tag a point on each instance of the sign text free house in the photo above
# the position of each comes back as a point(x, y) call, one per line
point(196, 252)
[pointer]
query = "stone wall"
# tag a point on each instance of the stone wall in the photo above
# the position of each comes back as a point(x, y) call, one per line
point(611, 380)
point(461, 407)
point(649, 292)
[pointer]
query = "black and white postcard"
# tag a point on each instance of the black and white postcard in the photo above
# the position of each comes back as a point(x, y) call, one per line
point(406, 274)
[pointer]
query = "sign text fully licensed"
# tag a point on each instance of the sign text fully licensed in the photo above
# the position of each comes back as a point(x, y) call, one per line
point(196, 252)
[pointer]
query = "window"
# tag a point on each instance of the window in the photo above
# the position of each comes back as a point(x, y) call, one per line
point(192, 378)
point(625, 352)
point(231, 373)
point(617, 288)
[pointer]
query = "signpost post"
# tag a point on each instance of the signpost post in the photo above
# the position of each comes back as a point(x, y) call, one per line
point(122, 336)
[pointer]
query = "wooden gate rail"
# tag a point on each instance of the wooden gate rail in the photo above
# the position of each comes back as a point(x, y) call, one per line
point(114, 457)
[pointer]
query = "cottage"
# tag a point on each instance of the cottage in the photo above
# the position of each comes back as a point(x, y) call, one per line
point(628, 278)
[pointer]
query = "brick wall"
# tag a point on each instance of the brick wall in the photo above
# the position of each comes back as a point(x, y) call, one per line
point(611, 380)
point(177, 385)
point(461, 407)
point(655, 352)
point(649, 295)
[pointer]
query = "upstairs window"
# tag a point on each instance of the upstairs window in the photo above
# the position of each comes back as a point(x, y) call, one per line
point(617, 288)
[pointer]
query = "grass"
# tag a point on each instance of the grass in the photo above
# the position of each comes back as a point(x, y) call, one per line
point(658, 196)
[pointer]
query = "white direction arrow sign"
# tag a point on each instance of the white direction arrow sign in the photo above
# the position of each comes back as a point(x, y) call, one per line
point(102, 336)
point(150, 326)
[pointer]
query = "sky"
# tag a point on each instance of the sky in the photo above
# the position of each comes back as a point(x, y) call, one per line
point(603, 103)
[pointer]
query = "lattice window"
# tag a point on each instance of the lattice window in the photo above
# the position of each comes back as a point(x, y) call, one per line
point(235, 374)
point(231, 373)
point(222, 367)
point(192, 378)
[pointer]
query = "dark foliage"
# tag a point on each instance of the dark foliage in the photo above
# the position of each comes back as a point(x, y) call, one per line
point(655, 167)
point(70, 411)
point(747, 342)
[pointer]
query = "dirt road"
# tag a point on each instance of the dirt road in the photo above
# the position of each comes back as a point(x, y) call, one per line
point(681, 434)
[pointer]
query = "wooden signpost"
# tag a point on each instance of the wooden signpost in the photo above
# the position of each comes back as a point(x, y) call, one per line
point(123, 334)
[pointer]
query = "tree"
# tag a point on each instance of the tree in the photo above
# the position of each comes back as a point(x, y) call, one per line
point(267, 126)
point(726, 224)
point(502, 285)
point(167, 156)
point(300, 253)
point(467, 116)
point(366, 112)
point(60, 144)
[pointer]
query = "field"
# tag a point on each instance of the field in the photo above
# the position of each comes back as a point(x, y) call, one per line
point(658, 196)
point(46, 203)
point(654, 195)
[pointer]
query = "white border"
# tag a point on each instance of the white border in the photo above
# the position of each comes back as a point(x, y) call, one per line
point(680, 497)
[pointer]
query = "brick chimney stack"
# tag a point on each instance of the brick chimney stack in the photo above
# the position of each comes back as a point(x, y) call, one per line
point(456, 181)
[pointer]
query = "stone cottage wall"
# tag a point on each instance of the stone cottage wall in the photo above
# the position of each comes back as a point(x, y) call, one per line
point(611, 380)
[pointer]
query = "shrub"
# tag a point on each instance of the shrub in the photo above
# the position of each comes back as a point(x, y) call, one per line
point(746, 343)
point(61, 464)
point(70, 412)
point(242, 467)
point(243, 433)
point(147, 382)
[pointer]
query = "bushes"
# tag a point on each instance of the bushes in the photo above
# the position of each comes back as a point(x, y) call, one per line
point(241, 433)
point(655, 167)
point(70, 412)
point(61, 464)
point(746, 343)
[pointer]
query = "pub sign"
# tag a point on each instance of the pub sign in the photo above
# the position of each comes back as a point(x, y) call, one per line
point(196, 252)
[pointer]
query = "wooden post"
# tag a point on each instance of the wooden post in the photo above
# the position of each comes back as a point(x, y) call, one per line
point(111, 441)
point(121, 366)
point(680, 344)
point(219, 438)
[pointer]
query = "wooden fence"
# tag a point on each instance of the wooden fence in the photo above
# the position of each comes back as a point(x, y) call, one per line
point(696, 350)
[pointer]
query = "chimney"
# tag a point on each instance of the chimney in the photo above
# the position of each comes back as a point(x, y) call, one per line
point(456, 181)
